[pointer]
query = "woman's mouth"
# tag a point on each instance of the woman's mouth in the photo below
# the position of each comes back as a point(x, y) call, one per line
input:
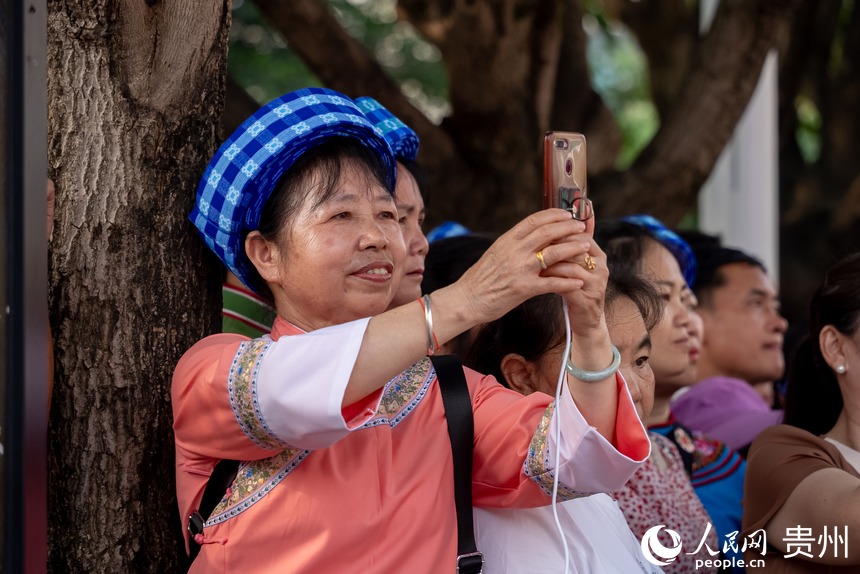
point(375, 272)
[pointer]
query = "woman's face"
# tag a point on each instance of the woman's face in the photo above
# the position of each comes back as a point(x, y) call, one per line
point(628, 333)
point(341, 259)
point(410, 212)
point(695, 330)
point(670, 356)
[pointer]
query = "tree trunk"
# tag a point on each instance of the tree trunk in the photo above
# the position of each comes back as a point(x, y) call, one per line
point(820, 202)
point(136, 90)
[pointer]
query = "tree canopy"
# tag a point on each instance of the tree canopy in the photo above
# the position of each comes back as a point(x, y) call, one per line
point(481, 81)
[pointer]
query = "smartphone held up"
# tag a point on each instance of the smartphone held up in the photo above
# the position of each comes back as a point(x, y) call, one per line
point(564, 174)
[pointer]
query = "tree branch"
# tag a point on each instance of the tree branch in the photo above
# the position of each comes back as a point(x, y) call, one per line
point(667, 37)
point(238, 106)
point(344, 64)
point(576, 106)
point(338, 59)
point(726, 67)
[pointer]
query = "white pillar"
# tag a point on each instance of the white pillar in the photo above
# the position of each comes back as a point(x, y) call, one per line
point(740, 200)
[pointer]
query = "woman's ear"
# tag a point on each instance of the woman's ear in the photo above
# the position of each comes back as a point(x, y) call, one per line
point(519, 373)
point(264, 255)
point(830, 341)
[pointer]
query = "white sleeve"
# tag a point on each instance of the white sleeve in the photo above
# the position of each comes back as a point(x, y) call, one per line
point(589, 462)
point(302, 381)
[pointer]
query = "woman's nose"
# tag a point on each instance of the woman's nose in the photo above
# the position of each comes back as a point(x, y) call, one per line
point(373, 236)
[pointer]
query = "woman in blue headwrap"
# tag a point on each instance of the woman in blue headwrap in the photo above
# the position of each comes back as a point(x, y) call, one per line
point(336, 414)
point(247, 313)
point(681, 458)
point(408, 196)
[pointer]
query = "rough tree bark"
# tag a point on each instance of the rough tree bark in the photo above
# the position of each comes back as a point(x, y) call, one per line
point(136, 91)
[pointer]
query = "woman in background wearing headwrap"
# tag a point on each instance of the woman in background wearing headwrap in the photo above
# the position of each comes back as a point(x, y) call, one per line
point(645, 246)
point(408, 196)
point(336, 414)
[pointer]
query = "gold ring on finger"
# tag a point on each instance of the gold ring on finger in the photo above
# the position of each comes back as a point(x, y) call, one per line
point(590, 262)
point(540, 259)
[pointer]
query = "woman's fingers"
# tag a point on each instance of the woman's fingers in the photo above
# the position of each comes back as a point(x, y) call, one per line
point(539, 220)
point(547, 252)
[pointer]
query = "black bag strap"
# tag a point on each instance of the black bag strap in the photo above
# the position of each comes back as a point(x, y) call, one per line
point(461, 430)
point(219, 481)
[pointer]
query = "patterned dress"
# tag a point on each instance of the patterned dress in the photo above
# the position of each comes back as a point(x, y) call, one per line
point(655, 496)
point(717, 475)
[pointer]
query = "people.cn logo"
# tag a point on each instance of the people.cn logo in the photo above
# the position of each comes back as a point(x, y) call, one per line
point(653, 550)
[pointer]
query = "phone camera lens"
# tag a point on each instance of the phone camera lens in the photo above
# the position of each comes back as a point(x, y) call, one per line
point(560, 144)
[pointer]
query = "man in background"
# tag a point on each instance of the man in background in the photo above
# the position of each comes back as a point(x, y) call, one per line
point(742, 347)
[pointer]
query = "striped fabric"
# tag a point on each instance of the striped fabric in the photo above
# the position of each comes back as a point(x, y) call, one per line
point(245, 313)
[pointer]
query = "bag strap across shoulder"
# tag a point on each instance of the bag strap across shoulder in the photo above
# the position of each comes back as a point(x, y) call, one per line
point(461, 430)
point(219, 481)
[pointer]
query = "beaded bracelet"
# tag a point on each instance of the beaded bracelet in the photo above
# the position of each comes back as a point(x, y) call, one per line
point(592, 376)
point(432, 341)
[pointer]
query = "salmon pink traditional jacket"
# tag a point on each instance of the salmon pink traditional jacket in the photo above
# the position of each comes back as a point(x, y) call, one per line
point(368, 488)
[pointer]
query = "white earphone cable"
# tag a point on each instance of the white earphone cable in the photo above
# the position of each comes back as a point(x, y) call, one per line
point(562, 378)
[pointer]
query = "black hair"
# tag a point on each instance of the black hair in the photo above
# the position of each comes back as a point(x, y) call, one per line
point(536, 326)
point(450, 257)
point(445, 263)
point(422, 180)
point(530, 329)
point(813, 400)
point(624, 244)
point(637, 289)
point(711, 258)
point(314, 175)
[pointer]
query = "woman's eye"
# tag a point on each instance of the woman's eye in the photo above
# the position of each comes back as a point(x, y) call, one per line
point(342, 215)
point(402, 220)
point(642, 361)
point(390, 215)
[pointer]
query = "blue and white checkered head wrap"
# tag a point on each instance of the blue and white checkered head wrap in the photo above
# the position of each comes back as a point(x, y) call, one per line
point(671, 241)
point(246, 168)
point(402, 139)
